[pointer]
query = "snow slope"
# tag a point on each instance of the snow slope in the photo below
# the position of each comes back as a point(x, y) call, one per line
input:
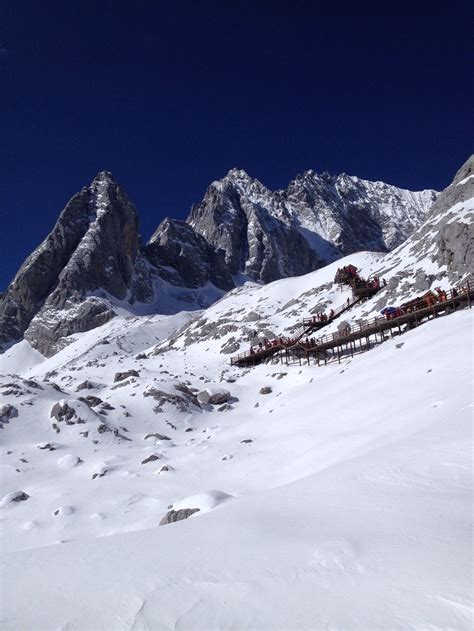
point(340, 500)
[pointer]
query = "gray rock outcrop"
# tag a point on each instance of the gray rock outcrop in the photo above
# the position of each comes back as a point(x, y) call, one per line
point(177, 515)
point(7, 412)
point(444, 242)
point(185, 258)
point(121, 376)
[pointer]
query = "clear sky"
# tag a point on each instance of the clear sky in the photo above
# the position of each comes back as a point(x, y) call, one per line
point(170, 95)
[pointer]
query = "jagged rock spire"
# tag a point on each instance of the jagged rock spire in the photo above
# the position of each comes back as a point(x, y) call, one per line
point(93, 246)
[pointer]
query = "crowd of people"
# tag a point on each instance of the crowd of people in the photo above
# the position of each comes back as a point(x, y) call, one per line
point(428, 299)
point(347, 274)
point(350, 275)
point(323, 317)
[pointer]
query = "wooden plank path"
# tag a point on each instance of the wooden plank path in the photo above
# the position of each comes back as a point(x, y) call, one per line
point(310, 325)
point(419, 310)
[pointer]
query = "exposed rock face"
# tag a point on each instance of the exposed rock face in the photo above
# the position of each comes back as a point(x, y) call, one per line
point(151, 458)
point(93, 248)
point(120, 376)
point(7, 412)
point(446, 238)
point(241, 216)
point(61, 411)
point(321, 217)
point(14, 496)
point(177, 515)
point(184, 257)
point(456, 226)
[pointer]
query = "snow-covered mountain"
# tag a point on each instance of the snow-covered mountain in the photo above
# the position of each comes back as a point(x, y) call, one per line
point(93, 246)
point(93, 264)
point(334, 496)
point(322, 217)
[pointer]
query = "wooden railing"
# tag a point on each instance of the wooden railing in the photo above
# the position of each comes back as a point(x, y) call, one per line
point(407, 311)
point(314, 322)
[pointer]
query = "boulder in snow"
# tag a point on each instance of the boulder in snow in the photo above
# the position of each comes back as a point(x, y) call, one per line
point(151, 458)
point(172, 515)
point(7, 412)
point(14, 496)
point(85, 385)
point(48, 446)
point(203, 502)
point(213, 396)
point(157, 436)
point(121, 376)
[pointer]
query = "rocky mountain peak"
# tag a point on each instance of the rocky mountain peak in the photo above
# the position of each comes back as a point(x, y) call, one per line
point(92, 248)
point(238, 175)
point(104, 176)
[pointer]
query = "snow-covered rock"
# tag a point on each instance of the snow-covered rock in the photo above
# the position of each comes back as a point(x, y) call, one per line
point(188, 506)
point(13, 497)
point(69, 461)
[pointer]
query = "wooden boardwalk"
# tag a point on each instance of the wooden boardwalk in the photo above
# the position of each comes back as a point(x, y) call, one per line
point(356, 337)
point(309, 326)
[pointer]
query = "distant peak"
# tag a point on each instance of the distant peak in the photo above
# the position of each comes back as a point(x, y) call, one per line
point(238, 174)
point(312, 175)
point(104, 176)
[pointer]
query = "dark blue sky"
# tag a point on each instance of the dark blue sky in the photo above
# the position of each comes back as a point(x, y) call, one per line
point(170, 95)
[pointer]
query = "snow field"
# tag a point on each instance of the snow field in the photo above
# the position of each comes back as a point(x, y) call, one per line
point(351, 482)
